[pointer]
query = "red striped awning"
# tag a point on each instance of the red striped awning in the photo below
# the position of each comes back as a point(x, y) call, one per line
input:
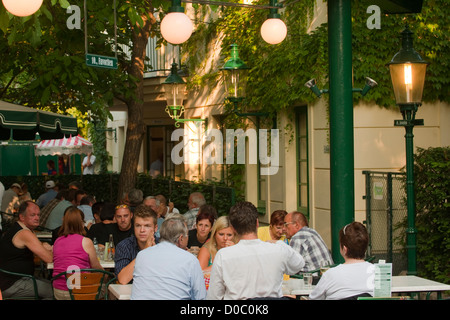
point(72, 145)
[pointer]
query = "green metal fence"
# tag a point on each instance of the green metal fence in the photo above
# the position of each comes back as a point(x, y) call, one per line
point(385, 215)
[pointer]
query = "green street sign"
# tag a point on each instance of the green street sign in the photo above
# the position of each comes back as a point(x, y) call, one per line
point(403, 123)
point(94, 60)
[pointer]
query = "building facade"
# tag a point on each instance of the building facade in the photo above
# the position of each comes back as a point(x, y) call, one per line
point(302, 178)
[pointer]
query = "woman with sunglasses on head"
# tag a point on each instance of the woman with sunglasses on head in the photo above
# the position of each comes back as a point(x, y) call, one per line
point(353, 278)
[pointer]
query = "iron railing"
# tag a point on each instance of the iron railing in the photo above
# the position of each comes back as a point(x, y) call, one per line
point(385, 215)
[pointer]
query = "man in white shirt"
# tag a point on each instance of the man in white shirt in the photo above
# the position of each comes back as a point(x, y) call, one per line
point(88, 164)
point(252, 268)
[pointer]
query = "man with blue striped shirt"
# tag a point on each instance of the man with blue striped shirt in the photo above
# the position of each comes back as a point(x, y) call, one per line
point(306, 241)
point(145, 227)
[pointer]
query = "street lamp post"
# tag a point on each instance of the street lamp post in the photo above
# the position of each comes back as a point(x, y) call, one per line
point(408, 70)
point(175, 93)
point(234, 73)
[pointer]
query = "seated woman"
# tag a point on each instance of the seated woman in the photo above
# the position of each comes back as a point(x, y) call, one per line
point(274, 231)
point(205, 220)
point(72, 248)
point(222, 235)
point(355, 276)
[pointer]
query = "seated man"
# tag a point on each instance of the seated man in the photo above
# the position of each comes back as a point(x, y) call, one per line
point(55, 218)
point(145, 226)
point(306, 241)
point(86, 204)
point(50, 193)
point(167, 271)
point(116, 221)
point(252, 268)
point(18, 246)
point(196, 200)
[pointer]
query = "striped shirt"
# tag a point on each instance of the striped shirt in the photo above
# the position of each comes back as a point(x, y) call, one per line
point(126, 251)
point(311, 247)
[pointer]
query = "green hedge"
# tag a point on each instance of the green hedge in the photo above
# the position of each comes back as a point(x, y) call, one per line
point(104, 188)
point(432, 172)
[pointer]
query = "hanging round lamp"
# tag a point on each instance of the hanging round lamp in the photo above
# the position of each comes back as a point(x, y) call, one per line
point(176, 27)
point(22, 8)
point(273, 30)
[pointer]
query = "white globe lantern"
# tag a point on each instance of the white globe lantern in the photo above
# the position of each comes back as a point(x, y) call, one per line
point(176, 27)
point(273, 30)
point(22, 8)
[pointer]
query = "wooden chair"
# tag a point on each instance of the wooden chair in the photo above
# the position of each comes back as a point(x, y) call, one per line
point(90, 284)
point(35, 295)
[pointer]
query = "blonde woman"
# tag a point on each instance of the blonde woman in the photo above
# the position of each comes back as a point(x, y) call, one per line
point(222, 235)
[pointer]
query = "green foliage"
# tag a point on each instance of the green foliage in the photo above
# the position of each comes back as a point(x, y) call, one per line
point(278, 72)
point(432, 172)
point(43, 62)
point(98, 136)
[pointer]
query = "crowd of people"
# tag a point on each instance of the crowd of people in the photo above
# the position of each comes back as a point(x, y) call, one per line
point(165, 254)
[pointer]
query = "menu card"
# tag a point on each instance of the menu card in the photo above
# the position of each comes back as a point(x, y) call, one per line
point(383, 280)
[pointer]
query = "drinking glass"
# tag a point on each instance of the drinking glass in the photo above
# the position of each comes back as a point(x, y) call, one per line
point(324, 266)
point(307, 279)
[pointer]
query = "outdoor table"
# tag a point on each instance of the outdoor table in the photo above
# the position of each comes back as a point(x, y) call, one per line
point(45, 236)
point(414, 284)
point(400, 284)
point(123, 291)
point(296, 287)
point(120, 291)
point(106, 264)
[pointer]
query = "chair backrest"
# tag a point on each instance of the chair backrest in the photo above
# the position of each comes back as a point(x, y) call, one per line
point(35, 295)
point(89, 288)
point(86, 284)
point(358, 296)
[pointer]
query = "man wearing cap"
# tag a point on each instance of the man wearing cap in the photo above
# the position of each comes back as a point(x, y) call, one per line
point(49, 195)
point(10, 199)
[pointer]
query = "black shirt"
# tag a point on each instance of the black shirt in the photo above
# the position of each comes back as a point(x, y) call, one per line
point(101, 232)
point(193, 241)
point(14, 259)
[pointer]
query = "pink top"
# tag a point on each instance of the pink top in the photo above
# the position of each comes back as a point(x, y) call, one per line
point(68, 252)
